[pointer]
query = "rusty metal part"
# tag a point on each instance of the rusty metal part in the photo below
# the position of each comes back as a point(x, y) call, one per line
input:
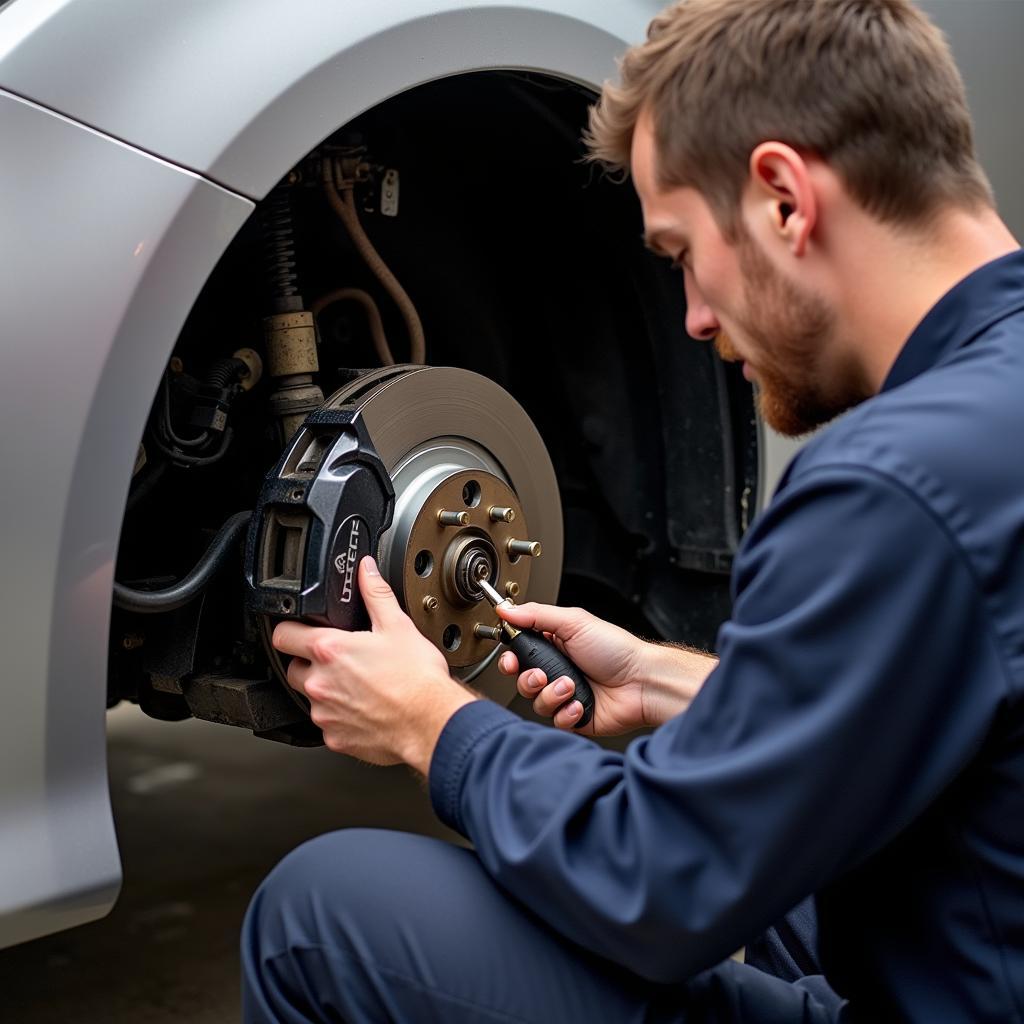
point(290, 343)
point(453, 561)
point(257, 704)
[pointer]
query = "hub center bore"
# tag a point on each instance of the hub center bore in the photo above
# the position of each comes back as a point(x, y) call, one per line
point(472, 558)
point(451, 532)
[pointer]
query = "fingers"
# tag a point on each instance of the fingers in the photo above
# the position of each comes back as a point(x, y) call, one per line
point(569, 715)
point(298, 672)
point(508, 663)
point(295, 638)
point(549, 697)
point(381, 603)
point(548, 618)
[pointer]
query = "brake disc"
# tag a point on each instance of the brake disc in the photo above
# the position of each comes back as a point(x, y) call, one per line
point(475, 497)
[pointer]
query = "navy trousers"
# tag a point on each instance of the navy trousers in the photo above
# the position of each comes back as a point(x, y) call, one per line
point(371, 926)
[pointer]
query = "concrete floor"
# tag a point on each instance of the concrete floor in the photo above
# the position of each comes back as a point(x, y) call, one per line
point(202, 813)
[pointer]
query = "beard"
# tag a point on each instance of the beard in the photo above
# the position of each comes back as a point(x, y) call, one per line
point(789, 329)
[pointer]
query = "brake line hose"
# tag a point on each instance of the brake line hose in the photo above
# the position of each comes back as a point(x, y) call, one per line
point(150, 602)
point(365, 299)
point(345, 209)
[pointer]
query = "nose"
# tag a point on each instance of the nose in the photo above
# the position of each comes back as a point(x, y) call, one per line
point(701, 322)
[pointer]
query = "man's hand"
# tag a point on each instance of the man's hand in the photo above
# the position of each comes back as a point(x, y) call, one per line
point(635, 683)
point(608, 655)
point(382, 696)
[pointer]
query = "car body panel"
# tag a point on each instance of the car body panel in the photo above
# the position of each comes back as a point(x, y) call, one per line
point(246, 87)
point(94, 291)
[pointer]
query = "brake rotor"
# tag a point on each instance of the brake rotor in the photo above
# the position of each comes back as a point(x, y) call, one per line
point(475, 497)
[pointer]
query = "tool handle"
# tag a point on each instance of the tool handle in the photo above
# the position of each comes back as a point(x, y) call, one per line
point(534, 650)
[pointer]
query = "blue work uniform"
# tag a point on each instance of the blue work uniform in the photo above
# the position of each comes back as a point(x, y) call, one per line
point(862, 739)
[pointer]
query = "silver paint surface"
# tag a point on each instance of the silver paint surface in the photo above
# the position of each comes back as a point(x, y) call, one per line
point(107, 249)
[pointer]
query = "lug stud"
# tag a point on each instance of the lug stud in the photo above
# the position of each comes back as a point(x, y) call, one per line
point(516, 548)
point(512, 589)
point(482, 632)
point(501, 514)
point(430, 603)
point(447, 518)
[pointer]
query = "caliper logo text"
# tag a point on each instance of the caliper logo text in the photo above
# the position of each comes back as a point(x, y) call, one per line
point(347, 561)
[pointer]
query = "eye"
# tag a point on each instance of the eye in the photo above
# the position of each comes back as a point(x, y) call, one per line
point(678, 262)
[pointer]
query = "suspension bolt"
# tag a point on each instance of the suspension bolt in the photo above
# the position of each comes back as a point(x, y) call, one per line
point(501, 514)
point(430, 603)
point(512, 589)
point(516, 548)
point(482, 632)
point(447, 518)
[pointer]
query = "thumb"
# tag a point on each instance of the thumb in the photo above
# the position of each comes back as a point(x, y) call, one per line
point(547, 618)
point(381, 603)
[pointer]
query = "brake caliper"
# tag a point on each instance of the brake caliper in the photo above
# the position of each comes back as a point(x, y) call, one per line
point(322, 508)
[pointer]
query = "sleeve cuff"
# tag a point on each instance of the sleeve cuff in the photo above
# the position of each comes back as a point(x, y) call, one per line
point(470, 724)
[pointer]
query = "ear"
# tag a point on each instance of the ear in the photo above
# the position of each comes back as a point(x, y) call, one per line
point(781, 192)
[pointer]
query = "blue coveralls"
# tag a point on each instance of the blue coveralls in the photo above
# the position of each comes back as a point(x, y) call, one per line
point(861, 739)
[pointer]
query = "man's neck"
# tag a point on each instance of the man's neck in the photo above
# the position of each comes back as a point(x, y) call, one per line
point(897, 277)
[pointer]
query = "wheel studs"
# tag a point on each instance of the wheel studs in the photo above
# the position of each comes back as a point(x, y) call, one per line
point(501, 514)
point(516, 548)
point(430, 603)
point(512, 589)
point(448, 518)
point(482, 632)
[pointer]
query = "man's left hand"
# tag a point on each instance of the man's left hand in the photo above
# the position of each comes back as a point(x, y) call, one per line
point(382, 696)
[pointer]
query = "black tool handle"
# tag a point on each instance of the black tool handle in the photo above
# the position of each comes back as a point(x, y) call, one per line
point(534, 650)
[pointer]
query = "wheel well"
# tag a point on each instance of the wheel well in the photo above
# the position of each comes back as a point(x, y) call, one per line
point(525, 265)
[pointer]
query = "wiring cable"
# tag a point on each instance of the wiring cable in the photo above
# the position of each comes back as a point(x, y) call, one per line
point(192, 584)
point(344, 206)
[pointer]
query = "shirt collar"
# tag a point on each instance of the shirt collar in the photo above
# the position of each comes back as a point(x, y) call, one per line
point(970, 307)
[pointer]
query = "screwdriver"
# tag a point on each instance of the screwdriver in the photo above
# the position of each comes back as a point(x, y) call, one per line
point(534, 650)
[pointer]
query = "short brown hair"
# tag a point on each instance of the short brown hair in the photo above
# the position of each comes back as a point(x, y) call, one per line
point(870, 86)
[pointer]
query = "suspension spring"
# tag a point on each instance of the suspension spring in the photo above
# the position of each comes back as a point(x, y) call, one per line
point(279, 249)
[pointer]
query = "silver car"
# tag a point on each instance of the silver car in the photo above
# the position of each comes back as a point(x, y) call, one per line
point(248, 242)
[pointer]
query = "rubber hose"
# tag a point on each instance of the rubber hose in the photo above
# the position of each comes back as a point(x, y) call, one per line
point(365, 299)
point(150, 602)
point(345, 209)
point(223, 372)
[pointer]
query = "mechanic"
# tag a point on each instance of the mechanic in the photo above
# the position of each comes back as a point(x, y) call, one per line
point(809, 164)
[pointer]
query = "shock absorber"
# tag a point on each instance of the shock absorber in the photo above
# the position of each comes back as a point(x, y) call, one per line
point(289, 332)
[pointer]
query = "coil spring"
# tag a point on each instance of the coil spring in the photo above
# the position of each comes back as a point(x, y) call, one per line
point(279, 244)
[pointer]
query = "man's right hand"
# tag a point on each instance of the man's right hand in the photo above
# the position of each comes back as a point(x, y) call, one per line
point(635, 683)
